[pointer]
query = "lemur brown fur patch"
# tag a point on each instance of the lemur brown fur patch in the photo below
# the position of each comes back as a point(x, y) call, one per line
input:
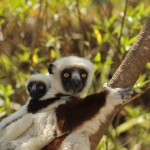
point(77, 111)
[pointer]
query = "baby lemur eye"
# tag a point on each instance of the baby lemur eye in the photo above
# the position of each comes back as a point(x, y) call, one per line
point(30, 86)
point(83, 75)
point(66, 75)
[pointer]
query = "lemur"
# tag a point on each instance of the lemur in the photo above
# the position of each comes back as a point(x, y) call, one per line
point(37, 87)
point(81, 117)
point(42, 98)
point(77, 85)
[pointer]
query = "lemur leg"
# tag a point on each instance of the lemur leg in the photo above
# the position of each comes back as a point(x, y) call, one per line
point(37, 143)
point(41, 138)
point(16, 115)
point(76, 141)
point(15, 129)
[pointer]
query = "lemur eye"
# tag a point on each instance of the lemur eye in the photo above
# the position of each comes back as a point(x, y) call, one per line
point(41, 87)
point(83, 75)
point(66, 75)
point(29, 87)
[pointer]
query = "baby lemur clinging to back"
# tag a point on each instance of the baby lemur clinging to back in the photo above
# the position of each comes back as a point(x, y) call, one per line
point(38, 87)
point(42, 98)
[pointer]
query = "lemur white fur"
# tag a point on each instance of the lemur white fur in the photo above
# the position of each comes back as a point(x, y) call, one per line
point(76, 141)
point(14, 130)
point(39, 131)
point(23, 110)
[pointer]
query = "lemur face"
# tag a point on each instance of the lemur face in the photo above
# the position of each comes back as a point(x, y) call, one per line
point(74, 79)
point(36, 89)
point(38, 85)
point(71, 75)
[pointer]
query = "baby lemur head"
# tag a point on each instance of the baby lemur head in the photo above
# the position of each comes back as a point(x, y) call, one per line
point(38, 86)
point(71, 75)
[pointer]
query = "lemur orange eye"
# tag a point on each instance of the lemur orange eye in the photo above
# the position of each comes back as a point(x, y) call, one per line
point(83, 75)
point(41, 87)
point(66, 75)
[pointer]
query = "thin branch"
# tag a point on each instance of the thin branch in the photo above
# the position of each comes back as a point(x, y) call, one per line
point(80, 19)
point(122, 24)
point(137, 95)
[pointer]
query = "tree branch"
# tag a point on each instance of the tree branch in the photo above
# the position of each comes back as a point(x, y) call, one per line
point(128, 73)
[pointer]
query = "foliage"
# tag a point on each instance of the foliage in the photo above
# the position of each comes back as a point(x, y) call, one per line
point(34, 33)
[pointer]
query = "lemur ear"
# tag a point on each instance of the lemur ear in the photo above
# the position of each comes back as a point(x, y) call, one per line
point(51, 68)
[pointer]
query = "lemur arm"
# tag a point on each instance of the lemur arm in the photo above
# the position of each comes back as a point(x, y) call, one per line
point(45, 135)
point(84, 117)
point(16, 129)
point(38, 142)
point(22, 111)
point(78, 111)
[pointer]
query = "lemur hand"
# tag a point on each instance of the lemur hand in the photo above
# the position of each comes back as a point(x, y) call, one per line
point(119, 93)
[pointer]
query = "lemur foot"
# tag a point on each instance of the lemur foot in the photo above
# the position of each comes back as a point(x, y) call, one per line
point(119, 93)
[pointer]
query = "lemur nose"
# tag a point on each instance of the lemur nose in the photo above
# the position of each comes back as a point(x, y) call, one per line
point(76, 83)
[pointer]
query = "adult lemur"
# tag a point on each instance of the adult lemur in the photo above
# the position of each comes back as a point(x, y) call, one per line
point(81, 117)
point(78, 85)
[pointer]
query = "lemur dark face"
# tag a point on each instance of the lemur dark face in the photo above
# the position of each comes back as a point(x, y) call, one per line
point(36, 89)
point(74, 79)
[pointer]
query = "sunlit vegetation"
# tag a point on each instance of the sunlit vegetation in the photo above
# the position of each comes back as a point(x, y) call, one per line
point(34, 33)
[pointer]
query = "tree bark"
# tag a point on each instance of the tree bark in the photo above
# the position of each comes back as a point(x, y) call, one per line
point(127, 74)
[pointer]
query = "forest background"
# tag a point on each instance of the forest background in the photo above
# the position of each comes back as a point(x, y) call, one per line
point(34, 33)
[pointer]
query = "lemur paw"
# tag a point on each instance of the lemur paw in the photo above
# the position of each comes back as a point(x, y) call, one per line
point(119, 93)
